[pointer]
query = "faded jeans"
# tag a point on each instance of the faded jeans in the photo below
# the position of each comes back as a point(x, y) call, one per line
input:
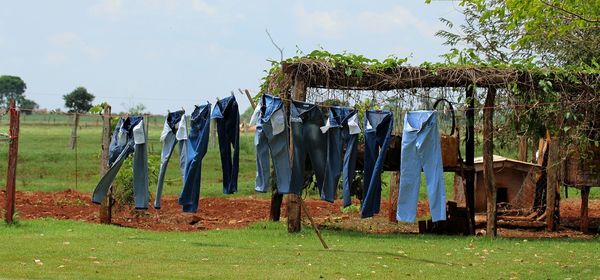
point(272, 135)
point(421, 150)
point(128, 138)
point(174, 132)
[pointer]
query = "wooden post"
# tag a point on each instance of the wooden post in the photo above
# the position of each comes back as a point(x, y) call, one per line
point(312, 222)
point(584, 223)
point(488, 161)
point(470, 154)
point(523, 148)
point(247, 92)
point(106, 206)
point(553, 182)
point(293, 202)
point(393, 197)
point(13, 152)
point(74, 131)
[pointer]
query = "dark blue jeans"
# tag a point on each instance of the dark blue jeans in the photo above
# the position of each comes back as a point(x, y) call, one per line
point(308, 140)
point(227, 116)
point(340, 135)
point(272, 135)
point(128, 138)
point(197, 145)
point(378, 129)
point(174, 132)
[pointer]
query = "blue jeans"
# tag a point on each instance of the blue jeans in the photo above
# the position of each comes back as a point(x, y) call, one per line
point(197, 145)
point(174, 132)
point(421, 150)
point(338, 136)
point(128, 138)
point(227, 116)
point(378, 129)
point(272, 135)
point(308, 140)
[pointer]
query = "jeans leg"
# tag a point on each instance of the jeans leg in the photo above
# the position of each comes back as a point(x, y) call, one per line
point(410, 179)
point(299, 160)
point(434, 172)
point(263, 171)
point(334, 160)
point(381, 139)
point(140, 176)
point(106, 181)
point(182, 157)
point(279, 147)
point(349, 167)
point(225, 151)
point(369, 165)
point(316, 146)
point(167, 150)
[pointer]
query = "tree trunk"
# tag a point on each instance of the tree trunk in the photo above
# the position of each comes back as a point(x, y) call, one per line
point(553, 182)
point(470, 155)
point(523, 148)
point(293, 206)
point(488, 161)
point(393, 197)
point(13, 153)
point(584, 223)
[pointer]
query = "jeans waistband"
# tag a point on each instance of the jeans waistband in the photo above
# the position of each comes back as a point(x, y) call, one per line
point(269, 104)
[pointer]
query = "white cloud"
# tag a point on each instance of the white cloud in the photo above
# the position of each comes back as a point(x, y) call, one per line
point(63, 39)
point(328, 23)
point(56, 58)
point(92, 53)
point(204, 8)
point(108, 8)
point(397, 17)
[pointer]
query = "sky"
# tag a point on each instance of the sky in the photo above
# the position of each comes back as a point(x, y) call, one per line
point(172, 54)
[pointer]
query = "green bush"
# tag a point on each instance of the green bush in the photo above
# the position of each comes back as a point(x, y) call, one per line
point(123, 185)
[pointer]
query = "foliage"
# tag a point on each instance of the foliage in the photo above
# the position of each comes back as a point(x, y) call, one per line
point(28, 105)
point(79, 100)
point(99, 108)
point(549, 32)
point(11, 87)
point(137, 109)
point(123, 185)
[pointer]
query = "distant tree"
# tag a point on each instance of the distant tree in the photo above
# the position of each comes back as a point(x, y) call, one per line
point(137, 109)
point(28, 105)
point(11, 87)
point(79, 100)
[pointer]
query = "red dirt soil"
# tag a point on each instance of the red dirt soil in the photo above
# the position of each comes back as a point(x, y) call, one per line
point(221, 213)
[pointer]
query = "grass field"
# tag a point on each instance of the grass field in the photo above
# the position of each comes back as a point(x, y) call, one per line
point(66, 249)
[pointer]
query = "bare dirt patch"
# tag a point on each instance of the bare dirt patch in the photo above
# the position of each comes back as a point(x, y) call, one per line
point(222, 213)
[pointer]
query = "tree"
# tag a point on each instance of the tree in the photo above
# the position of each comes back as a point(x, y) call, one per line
point(28, 105)
point(79, 100)
point(548, 32)
point(11, 87)
point(137, 109)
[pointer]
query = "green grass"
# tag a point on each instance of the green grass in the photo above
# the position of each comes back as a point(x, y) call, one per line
point(68, 249)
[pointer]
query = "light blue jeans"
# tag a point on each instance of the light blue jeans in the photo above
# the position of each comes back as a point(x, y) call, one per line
point(170, 140)
point(272, 134)
point(421, 150)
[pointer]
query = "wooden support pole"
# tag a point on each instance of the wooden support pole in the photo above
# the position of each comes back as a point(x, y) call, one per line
point(312, 222)
point(106, 205)
point(247, 92)
point(488, 161)
point(584, 223)
point(470, 154)
point(293, 202)
point(523, 148)
point(13, 152)
point(393, 197)
point(74, 131)
point(553, 182)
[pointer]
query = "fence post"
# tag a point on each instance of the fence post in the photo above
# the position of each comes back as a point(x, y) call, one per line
point(106, 206)
point(13, 151)
point(488, 161)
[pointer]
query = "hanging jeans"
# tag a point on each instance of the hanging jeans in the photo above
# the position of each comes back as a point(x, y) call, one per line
point(306, 121)
point(128, 138)
point(421, 150)
point(227, 116)
point(272, 135)
point(341, 130)
point(378, 129)
point(197, 145)
point(174, 132)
